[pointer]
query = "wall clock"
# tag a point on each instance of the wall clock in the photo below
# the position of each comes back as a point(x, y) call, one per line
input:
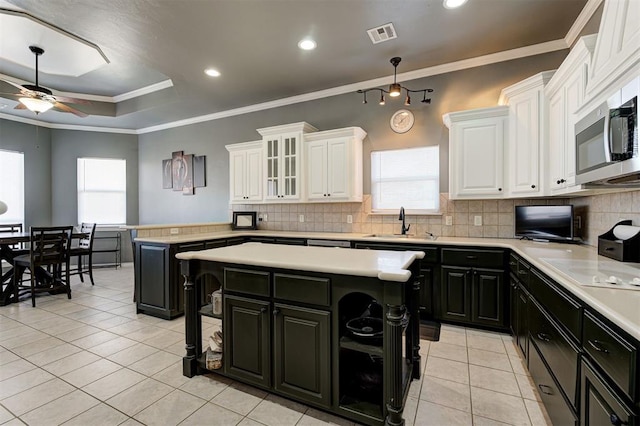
point(402, 121)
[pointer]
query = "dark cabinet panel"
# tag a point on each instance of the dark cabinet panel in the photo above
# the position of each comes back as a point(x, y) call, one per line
point(302, 363)
point(427, 291)
point(599, 404)
point(296, 288)
point(616, 356)
point(455, 293)
point(487, 297)
point(482, 258)
point(247, 281)
point(152, 276)
point(522, 321)
point(555, 404)
point(247, 332)
point(557, 350)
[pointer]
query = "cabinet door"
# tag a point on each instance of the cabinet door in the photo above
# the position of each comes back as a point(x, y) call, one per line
point(522, 322)
point(524, 143)
point(478, 164)
point(487, 297)
point(152, 272)
point(238, 171)
point(302, 349)
point(317, 170)
point(513, 307)
point(557, 142)
point(247, 325)
point(338, 169)
point(427, 292)
point(290, 167)
point(455, 293)
point(574, 96)
point(600, 405)
point(253, 175)
point(272, 168)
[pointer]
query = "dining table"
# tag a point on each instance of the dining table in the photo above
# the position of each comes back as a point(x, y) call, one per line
point(8, 251)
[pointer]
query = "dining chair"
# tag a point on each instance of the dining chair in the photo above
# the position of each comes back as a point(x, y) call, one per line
point(49, 247)
point(13, 227)
point(84, 248)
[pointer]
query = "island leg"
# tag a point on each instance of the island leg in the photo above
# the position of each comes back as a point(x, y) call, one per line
point(393, 365)
point(192, 330)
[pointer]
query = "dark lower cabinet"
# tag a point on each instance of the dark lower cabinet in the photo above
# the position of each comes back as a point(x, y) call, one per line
point(247, 345)
point(522, 321)
point(152, 289)
point(600, 405)
point(473, 296)
point(302, 353)
point(559, 411)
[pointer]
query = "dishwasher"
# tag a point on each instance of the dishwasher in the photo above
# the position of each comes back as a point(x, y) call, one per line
point(329, 243)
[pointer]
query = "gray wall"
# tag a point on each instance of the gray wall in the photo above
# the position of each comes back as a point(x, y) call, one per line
point(467, 89)
point(35, 143)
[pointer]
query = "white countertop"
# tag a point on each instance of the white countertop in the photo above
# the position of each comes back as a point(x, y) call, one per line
point(382, 264)
point(620, 305)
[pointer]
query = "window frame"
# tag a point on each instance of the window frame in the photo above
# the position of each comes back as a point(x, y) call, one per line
point(435, 212)
point(79, 191)
point(11, 205)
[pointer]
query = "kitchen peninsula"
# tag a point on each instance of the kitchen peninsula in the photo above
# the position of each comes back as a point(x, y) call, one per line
point(288, 323)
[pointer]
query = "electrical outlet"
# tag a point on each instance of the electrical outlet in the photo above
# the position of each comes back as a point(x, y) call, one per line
point(265, 217)
point(174, 231)
point(477, 221)
point(301, 218)
point(448, 220)
point(349, 218)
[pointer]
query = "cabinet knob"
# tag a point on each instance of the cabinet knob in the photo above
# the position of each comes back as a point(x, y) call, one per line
point(615, 420)
point(558, 182)
point(547, 390)
point(263, 309)
point(544, 337)
point(533, 186)
point(499, 189)
point(512, 263)
point(521, 272)
point(595, 344)
point(276, 311)
point(328, 195)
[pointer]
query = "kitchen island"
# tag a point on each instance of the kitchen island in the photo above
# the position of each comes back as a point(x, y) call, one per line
point(285, 315)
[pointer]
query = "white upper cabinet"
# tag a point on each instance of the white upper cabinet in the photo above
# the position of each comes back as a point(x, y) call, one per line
point(245, 172)
point(617, 51)
point(282, 161)
point(527, 130)
point(566, 94)
point(476, 152)
point(334, 165)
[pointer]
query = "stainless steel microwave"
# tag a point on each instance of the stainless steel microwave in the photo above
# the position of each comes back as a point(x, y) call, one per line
point(607, 146)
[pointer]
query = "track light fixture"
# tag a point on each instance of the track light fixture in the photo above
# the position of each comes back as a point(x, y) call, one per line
point(395, 89)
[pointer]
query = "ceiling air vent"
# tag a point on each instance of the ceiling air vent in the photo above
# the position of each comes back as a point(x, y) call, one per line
point(382, 33)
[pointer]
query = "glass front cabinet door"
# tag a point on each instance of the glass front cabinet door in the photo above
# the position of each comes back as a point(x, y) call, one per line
point(283, 167)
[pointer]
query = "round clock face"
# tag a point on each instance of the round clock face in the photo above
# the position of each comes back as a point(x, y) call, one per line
point(402, 121)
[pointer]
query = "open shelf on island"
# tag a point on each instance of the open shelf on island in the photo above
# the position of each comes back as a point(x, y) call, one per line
point(347, 342)
point(207, 311)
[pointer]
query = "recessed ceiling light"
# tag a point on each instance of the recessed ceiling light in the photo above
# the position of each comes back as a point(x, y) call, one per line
point(212, 72)
point(452, 4)
point(307, 44)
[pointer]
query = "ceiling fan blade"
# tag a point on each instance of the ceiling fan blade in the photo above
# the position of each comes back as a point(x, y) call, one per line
point(20, 106)
point(71, 100)
point(16, 85)
point(65, 108)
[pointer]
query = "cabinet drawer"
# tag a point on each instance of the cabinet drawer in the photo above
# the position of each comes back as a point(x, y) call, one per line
point(555, 404)
point(246, 281)
point(611, 352)
point(561, 356)
point(566, 310)
point(600, 405)
point(302, 289)
point(513, 263)
point(465, 257)
point(523, 273)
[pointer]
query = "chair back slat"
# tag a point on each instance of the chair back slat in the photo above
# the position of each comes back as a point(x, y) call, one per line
point(10, 227)
point(50, 245)
point(89, 230)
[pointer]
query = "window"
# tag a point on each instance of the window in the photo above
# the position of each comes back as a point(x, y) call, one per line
point(406, 178)
point(12, 186)
point(102, 191)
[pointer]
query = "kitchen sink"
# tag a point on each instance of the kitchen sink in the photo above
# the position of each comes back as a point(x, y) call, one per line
point(407, 236)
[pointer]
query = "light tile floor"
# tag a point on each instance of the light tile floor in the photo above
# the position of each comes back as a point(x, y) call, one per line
point(92, 360)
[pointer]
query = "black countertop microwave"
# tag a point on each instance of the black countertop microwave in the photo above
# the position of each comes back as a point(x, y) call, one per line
point(607, 146)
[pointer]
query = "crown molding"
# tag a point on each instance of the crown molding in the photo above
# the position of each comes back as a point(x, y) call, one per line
point(585, 15)
point(57, 126)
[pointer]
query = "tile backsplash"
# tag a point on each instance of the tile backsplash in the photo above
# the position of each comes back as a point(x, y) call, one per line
point(601, 212)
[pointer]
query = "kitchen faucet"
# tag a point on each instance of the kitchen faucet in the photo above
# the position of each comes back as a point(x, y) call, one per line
point(404, 229)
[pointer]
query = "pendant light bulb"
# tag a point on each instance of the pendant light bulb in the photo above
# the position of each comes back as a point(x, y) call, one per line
point(407, 101)
point(381, 99)
point(394, 90)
